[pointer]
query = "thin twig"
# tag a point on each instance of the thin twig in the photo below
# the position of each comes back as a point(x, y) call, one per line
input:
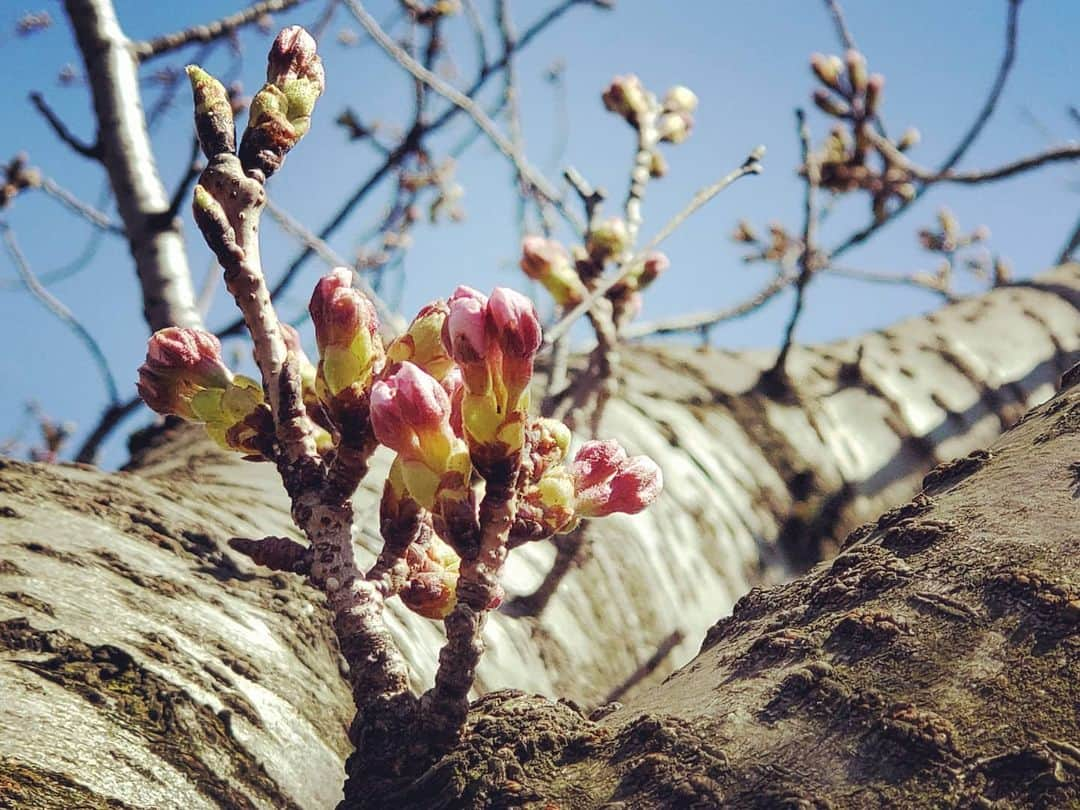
point(752, 165)
point(1070, 246)
point(61, 312)
point(901, 279)
point(408, 144)
point(842, 31)
point(702, 322)
point(92, 215)
point(92, 151)
point(109, 421)
point(477, 25)
point(808, 258)
point(183, 188)
point(965, 143)
point(1007, 59)
point(166, 43)
point(299, 231)
point(468, 105)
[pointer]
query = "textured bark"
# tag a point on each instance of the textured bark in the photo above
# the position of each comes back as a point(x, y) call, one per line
point(935, 662)
point(144, 662)
point(153, 233)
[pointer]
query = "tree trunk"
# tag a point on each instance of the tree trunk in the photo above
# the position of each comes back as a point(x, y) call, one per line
point(141, 661)
point(152, 230)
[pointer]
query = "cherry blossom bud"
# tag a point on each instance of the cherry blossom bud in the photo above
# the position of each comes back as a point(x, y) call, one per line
point(827, 69)
point(422, 342)
point(280, 113)
point(410, 413)
point(464, 332)
point(626, 96)
point(830, 104)
point(513, 323)
point(657, 164)
point(347, 333)
point(454, 386)
point(875, 86)
point(408, 408)
point(656, 264)
point(431, 594)
point(213, 113)
point(856, 68)
point(607, 481)
point(910, 138)
point(180, 362)
point(236, 417)
point(674, 127)
point(292, 57)
point(545, 508)
point(547, 261)
point(609, 238)
point(679, 99)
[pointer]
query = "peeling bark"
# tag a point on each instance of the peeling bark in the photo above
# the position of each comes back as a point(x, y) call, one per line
point(143, 662)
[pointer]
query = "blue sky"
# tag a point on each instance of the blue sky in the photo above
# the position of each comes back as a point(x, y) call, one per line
point(747, 61)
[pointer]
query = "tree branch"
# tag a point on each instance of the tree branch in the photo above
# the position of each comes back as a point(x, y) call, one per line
point(87, 150)
point(166, 43)
point(155, 239)
point(469, 106)
point(57, 308)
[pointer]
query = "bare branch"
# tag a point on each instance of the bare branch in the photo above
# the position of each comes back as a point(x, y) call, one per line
point(973, 132)
point(408, 144)
point(91, 151)
point(1007, 59)
point(752, 165)
point(702, 322)
point(110, 420)
point(61, 312)
point(808, 258)
point(843, 33)
point(158, 46)
point(1070, 246)
point(468, 105)
point(92, 215)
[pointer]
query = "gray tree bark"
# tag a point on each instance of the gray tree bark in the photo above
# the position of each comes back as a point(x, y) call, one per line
point(153, 232)
point(143, 663)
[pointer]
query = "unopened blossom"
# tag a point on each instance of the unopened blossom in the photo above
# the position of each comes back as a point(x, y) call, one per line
point(626, 96)
point(422, 344)
point(347, 334)
point(180, 362)
point(547, 261)
point(606, 480)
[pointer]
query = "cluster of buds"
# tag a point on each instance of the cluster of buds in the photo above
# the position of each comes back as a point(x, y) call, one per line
point(947, 241)
point(280, 113)
point(184, 376)
point(673, 117)
point(18, 176)
point(853, 96)
point(781, 247)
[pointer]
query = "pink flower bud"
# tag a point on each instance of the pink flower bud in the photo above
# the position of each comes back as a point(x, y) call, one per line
point(596, 462)
point(464, 334)
point(547, 261)
point(513, 323)
point(656, 264)
point(293, 56)
point(339, 311)
point(180, 362)
point(607, 481)
point(407, 408)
